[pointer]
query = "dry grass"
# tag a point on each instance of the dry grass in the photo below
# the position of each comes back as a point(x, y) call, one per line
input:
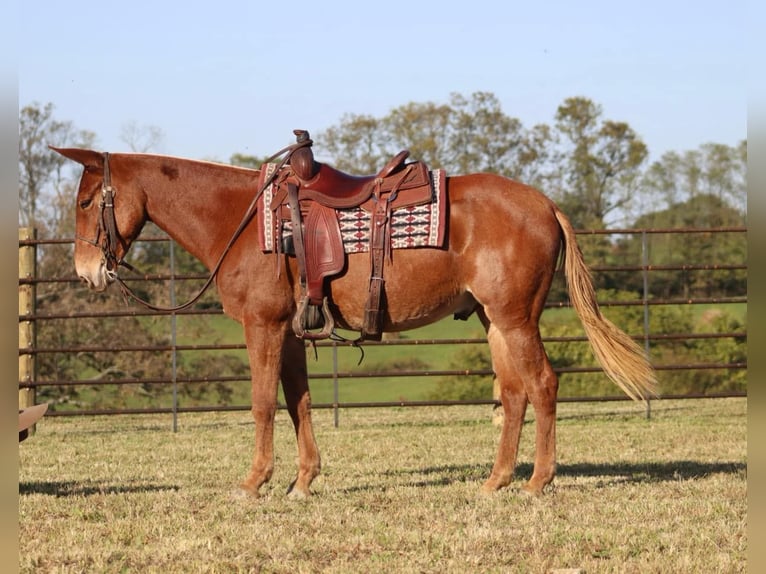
point(399, 493)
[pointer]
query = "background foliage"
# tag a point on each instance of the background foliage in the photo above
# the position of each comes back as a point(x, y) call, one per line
point(598, 169)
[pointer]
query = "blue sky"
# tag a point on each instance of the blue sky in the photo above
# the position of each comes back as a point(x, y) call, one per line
point(236, 77)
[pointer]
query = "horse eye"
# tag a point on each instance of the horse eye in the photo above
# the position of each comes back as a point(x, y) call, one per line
point(86, 203)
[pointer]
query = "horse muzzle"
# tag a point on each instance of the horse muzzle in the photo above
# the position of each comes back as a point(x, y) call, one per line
point(97, 279)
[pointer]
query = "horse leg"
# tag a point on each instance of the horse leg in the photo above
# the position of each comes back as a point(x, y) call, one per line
point(523, 374)
point(513, 399)
point(541, 387)
point(298, 399)
point(264, 349)
point(497, 410)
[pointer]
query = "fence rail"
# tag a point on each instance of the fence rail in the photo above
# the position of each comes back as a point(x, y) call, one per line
point(32, 283)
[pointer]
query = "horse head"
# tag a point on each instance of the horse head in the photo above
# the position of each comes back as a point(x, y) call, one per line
point(110, 213)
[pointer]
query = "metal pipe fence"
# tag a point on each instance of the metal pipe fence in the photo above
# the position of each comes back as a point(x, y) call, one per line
point(33, 283)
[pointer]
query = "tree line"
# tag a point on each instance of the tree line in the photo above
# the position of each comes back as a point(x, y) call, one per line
point(597, 169)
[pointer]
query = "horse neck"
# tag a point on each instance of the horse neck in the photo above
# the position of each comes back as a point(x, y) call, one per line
point(198, 204)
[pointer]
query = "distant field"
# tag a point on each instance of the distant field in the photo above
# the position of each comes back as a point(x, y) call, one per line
point(228, 331)
point(434, 357)
point(399, 492)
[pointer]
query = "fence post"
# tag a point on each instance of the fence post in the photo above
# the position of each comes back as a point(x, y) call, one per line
point(335, 390)
point(645, 272)
point(173, 335)
point(27, 305)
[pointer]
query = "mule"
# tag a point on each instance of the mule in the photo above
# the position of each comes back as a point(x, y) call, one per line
point(505, 241)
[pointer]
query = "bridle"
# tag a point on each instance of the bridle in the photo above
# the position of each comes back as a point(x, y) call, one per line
point(108, 238)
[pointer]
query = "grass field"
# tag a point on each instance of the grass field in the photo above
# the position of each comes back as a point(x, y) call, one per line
point(399, 493)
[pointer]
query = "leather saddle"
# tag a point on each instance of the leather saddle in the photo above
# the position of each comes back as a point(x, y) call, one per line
point(330, 187)
point(308, 193)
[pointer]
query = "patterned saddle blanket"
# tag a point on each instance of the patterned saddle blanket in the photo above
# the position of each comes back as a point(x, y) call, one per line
point(411, 226)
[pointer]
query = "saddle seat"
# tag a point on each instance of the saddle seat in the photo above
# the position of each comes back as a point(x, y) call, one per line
point(334, 188)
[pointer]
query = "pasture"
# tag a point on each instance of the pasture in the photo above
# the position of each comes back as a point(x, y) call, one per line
point(399, 492)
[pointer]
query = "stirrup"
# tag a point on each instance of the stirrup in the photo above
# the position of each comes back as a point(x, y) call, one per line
point(300, 320)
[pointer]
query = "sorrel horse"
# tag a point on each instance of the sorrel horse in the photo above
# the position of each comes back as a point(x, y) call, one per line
point(505, 240)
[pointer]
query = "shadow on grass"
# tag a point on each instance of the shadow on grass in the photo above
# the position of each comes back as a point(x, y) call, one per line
point(651, 471)
point(608, 473)
point(74, 488)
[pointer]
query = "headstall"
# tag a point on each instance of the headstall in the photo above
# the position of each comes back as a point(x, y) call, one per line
point(108, 238)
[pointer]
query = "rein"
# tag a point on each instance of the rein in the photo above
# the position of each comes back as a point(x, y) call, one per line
point(108, 238)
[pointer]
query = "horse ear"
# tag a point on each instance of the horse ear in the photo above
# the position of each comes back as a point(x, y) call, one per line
point(85, 157)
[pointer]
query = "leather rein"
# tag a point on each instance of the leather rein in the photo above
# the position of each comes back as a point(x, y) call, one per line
point(108, 238)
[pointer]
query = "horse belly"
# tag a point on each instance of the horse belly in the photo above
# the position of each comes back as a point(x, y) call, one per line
point(421, 286)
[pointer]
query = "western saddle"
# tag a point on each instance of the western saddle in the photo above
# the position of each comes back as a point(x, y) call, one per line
point(307, 193)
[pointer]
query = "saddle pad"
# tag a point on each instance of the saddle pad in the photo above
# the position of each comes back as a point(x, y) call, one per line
point(414, 226)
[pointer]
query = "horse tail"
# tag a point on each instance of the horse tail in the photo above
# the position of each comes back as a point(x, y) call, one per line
point(622, 359)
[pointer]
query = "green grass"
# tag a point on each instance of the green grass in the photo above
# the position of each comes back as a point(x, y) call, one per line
point(399, 492)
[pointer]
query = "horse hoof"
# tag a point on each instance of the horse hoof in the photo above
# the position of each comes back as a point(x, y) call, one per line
point(298, 493)
point(531, 490)
point(487, 492)
point(489, 488)
point(242, 492)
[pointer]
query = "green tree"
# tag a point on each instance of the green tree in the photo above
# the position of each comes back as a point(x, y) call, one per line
point(468, 134)
point(421, 128)
point(603, 160)
point(702, 211)
point(701, 188)
point(481, 136)
point(41, 171)
point(591, 166)
point(713, 169)
point(358, 144)
point(539, 159)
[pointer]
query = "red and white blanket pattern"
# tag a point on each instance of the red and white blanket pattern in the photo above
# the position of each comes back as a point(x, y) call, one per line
point(420, 226)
